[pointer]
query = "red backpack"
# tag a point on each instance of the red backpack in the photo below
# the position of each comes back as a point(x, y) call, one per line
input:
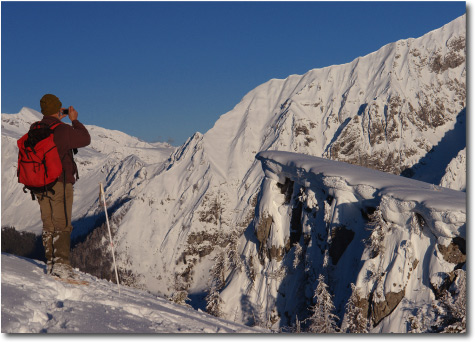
point(39, 165)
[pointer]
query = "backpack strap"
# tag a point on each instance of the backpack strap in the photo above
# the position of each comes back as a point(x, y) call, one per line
point(53, 126)
point(38, 124)
point(31, 193)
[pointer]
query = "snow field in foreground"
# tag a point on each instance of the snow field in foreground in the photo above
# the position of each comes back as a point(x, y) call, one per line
point(33, 302)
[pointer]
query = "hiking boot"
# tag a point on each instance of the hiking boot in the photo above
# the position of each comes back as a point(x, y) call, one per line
point(61, 247)
point(63, 271)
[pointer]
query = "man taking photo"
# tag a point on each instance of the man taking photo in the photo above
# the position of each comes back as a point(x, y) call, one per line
point(56, 206)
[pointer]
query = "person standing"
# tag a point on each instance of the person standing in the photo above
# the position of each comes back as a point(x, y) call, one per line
point(56, 206)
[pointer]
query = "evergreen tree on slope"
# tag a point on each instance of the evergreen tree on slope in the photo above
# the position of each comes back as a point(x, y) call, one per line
point(323, 321)
point(356, 321)
point(213, 299)
point(454, 306)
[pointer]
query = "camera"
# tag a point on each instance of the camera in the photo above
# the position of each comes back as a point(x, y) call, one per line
point(65, 111)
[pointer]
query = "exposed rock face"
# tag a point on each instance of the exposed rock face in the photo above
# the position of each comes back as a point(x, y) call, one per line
point(263, 228)
point(382, 309)
point(341, 238)
point(454, 252)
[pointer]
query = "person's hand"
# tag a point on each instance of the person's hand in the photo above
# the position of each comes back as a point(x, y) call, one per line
point(61, 115)
point(73, 114)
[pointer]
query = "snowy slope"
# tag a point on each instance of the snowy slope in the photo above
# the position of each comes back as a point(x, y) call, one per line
point(33, 302)
point(385, 110)
point(107, 149)
point(313, 216)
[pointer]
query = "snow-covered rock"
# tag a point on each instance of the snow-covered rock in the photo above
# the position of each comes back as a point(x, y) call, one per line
point(398, 240)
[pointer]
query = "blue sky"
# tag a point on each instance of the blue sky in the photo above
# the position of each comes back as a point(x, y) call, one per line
point(165, 70)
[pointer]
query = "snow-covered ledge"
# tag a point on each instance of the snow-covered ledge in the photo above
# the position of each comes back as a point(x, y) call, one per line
point(400, 241)
point(444, 210)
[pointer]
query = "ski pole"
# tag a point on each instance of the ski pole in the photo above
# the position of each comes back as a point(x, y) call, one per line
point(110, 235)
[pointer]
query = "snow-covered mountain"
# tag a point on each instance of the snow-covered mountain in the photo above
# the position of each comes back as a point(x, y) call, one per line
point(96, 162)
point(401, 242)
point(33, 303)
point(400, 110)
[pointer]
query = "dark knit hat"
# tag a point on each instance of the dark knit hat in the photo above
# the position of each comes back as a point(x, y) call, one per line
point(50, 104)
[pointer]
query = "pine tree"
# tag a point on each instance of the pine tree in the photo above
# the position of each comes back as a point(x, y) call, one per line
point(180, 297)
point(232, 251)
point(357, 322)
point(417, 223)
point(298, 328)
point(259, 316)
point(323, 321)
point(455, 306)
point(298, 253)
point(213, 299)
point(218, 271)
point(419, 322)
point(214, 303)
point(379, 227)
point(327, 212)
